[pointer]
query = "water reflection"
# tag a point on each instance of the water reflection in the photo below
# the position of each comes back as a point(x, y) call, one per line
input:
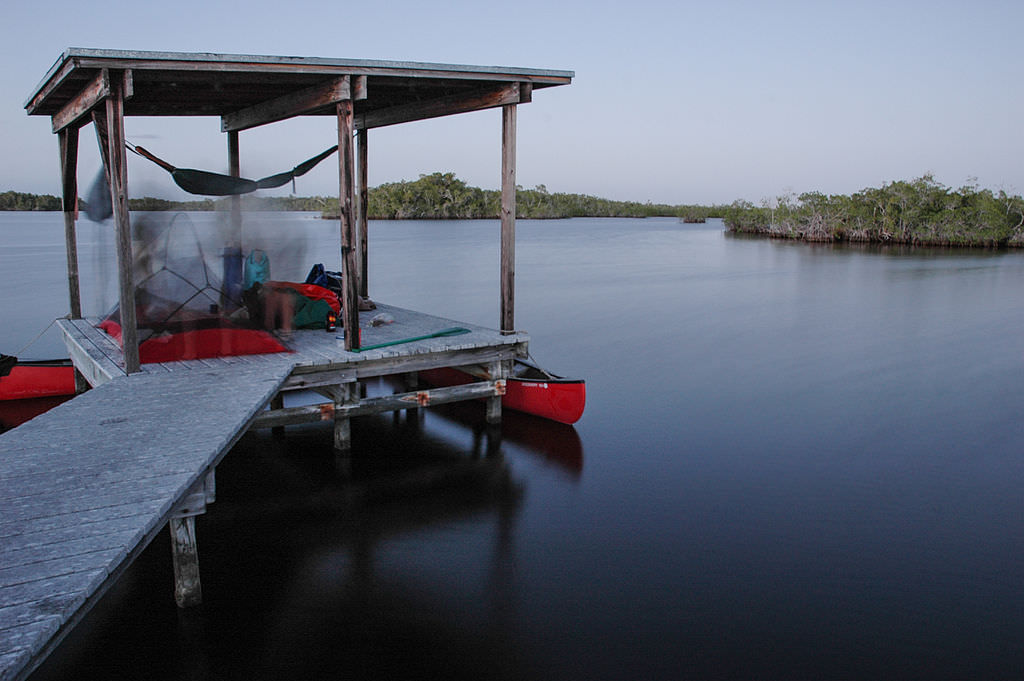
point(402, 564)
point(555, 443)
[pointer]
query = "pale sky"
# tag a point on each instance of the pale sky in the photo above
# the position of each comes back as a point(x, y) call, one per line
point(673, 102)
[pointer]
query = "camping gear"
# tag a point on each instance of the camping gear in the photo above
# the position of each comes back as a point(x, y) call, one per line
point(180, 301)
point(329, 280)
point(310, 303)
point(257, 269)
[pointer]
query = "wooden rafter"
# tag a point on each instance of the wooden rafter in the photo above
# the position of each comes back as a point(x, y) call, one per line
point(476, 100)
point(296, 104)
point(80, 106)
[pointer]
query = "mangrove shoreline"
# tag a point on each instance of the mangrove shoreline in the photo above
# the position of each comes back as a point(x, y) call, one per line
point(921, 212)
point(918, 213)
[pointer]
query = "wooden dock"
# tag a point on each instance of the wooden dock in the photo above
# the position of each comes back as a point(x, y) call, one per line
point(85, 487)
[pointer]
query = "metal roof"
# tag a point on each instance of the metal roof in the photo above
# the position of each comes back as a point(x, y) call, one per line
point(205, 84)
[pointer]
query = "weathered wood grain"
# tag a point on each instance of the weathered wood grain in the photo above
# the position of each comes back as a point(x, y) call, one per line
point(447, 105)
point(345, 409)
point(346, 197)
point(80, 106)
point(508, 218)
point(68, 143)
point(363, 182)
point(292, 104)
point(117, 176)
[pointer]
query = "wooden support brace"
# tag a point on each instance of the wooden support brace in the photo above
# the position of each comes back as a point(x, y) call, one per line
point(188, 591)
point(203, 493)
point(128, 84)
point(79, 106)
point(477, 100)
point(345, 394)
point(293, 104)
point(375, 405)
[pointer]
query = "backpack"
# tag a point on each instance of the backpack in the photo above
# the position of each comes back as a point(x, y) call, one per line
point(329, 280)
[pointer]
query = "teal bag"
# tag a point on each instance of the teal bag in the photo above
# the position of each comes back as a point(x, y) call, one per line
point(257, 269)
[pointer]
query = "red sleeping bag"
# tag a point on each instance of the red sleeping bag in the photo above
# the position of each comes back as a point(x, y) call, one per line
point(220, 341)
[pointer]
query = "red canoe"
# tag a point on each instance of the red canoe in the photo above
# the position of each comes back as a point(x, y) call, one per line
point(530, 389)
point(22, 380)
point(28, 389)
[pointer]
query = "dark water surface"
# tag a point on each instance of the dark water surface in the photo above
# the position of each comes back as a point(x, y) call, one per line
point(797, 462)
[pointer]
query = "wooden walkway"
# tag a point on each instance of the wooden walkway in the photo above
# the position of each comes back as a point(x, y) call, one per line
point(86, 486)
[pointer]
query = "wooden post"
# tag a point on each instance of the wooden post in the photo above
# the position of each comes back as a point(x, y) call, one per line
point(346, 202)
point(188, 591)
point(235, 170)
point(232, 257)
point(364, 204)
point(497, 370)
point(344, 394)
point(508, 218)
point(118, 178)
point(276, 403)
point(411, 381)
point(68, 140)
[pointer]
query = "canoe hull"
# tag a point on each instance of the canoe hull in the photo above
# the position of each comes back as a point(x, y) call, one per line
point(550, 397)
point(31, 388)
point(30, 380)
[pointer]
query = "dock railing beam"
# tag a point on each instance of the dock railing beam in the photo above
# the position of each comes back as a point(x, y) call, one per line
point(508, 218)
point(68, 141)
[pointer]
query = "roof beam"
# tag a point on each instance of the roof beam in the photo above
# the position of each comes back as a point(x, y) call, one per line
point(53, 80)
point(298, 103)
point(81, 104)
point(512, 93)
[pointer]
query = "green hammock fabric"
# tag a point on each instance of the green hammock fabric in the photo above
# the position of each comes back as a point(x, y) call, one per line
point(205, 183)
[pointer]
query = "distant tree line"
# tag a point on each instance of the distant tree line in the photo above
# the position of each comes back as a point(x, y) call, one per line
point(922, 211)
point(22, 201)
point(444, 196)
point(434, 196)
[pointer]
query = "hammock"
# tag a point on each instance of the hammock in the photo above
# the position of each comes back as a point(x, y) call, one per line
point(206, 183)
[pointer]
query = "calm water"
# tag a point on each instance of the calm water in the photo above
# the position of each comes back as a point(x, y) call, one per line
point(797, 462)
